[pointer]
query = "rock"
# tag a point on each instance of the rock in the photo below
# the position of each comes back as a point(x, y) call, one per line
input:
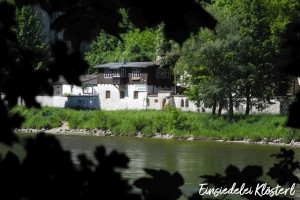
point(139, 134)
point(190, 138)
point(292, 143)
point(296, 143)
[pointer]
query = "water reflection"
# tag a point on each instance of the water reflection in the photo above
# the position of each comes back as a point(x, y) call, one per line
point(191, 158)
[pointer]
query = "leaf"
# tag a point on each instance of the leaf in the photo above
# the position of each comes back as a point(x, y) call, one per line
point(162, 185)
point(181, 19)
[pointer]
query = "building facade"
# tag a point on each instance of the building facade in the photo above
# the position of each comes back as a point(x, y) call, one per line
point(65, 95)
point(134, 86)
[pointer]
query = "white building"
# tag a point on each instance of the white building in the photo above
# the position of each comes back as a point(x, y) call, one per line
point(135, 86)
point(132, 86)
point(65, 95)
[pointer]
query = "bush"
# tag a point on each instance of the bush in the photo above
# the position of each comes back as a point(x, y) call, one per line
point(148, 131)
point(124, 128)
point(175, 120)
point(254, 127)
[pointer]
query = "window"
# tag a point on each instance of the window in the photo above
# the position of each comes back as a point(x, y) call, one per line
point(57, 90)
point(163, 73)
point(136, 95)
point(116, 73)
point(136, 73)
point(148, 102)
point(122, 94)
point(107, 73)
point(107, 94)
point(186, 103)
point(123, 72)
point(182, 103)
point(156, 100)
point(88, 89)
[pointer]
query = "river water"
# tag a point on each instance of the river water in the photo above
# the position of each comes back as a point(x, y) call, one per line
point(190, 158)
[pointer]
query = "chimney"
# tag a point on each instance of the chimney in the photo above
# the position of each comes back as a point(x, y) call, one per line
point(124, 61)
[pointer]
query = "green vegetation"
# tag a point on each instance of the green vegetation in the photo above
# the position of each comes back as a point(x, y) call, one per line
point(239, 59)
point(28, 30)
point(136, 45)
point(265, 127)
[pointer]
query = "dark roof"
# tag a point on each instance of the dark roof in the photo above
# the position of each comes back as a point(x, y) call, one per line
point(127, 65)
point(84, 79)
point(89, 79)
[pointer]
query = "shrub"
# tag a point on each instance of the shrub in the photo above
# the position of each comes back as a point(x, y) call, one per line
point(175, 119)
point(148, 131)
point(124, 128)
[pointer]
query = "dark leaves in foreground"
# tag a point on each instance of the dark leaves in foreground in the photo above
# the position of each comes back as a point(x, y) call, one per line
point(181, 18)
point(47, 172)
point(248, 176)
point(7, 136)
point(283, 172)
point(290, 59)
point(162, 185)
point(294, 119)
point(80, 19)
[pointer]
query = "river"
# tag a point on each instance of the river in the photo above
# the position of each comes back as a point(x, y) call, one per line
point(190, 158)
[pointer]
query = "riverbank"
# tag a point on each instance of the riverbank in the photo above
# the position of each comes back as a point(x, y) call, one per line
point(169, 124)
point(65, 130)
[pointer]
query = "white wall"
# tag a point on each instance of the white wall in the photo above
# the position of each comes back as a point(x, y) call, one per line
point(190, 107)
point(155, 101)
point(81, 102)
point(77, 90)
point(52, 101)
point(115, 103)
point(273, 108)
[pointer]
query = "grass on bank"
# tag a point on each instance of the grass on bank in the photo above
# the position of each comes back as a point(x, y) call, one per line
point(149, 122)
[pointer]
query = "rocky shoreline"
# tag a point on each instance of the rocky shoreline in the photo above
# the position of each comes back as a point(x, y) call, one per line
point(65, 130)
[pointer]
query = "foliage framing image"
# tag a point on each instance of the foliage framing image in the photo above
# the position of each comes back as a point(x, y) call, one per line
point(47, 168)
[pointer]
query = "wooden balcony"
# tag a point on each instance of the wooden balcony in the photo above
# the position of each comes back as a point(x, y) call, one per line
point(118, 80)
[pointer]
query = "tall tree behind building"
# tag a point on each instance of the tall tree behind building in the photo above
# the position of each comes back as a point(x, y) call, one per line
point(29, 34)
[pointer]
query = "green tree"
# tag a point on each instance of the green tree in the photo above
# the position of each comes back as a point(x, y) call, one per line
point(29, 34)
point(239, 58)
point(102, 50)
point(135, 45)
point(262, 24)
point(211, 61)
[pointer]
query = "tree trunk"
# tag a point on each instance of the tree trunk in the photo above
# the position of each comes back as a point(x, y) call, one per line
point(214, 108)
point(220, 109)
point(230, 105)
point(248, 101)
